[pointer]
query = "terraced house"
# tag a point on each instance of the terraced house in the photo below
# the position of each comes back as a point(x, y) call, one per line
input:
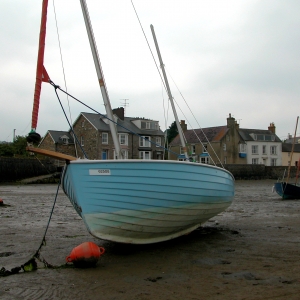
point(231, 144)
point(139, 138)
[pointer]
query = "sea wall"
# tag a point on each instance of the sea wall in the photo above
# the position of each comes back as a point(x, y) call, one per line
point(14, 169)
point(259, 171)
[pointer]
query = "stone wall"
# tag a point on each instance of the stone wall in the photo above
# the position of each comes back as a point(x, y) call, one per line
point(13, 169)
point(243, 171)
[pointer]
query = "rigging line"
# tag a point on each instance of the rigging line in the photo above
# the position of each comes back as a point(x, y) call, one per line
point(104, 116)
point(55, 88)
point(150, 50)
point(148, 44)
point(63, 68)
point(196, 122)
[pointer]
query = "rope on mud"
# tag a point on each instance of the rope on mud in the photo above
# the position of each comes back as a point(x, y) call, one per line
point(31, 264)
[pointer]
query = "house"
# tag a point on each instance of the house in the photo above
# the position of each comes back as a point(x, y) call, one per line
point(139, 138)
point(59, 141)
point(261, 146)
point(287, 154)
point(209, 145)
point(230, 144)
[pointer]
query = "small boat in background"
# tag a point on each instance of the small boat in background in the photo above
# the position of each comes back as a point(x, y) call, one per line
point(285, 189)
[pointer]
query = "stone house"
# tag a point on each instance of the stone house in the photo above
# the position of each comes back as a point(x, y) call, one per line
point(211, 145)
point(230, 144)
point(59, 141)
point(139, 138)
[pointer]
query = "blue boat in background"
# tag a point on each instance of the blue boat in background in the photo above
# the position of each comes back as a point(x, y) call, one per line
point(141, 202)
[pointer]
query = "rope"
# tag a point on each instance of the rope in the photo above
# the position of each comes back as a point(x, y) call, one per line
point(63, 68)
point(31, 264)
point(104, 116)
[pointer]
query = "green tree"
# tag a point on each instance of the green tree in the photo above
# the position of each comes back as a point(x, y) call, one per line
point(19, 145)
point(172, 132)
point(6, 149)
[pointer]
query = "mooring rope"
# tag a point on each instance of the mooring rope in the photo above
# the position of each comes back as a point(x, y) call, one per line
point(31, 264)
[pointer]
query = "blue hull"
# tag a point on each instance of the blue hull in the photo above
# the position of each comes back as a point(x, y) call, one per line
point(141, 202)
point(287, 190)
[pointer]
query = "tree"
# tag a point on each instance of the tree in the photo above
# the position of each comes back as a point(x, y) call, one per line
point(19, 145)
point(6, 149)
point(172, 132)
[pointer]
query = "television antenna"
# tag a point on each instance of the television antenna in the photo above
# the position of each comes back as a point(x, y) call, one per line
point(125, 104)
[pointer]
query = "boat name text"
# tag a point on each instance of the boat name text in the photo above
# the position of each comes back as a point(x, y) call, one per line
point(97, 172)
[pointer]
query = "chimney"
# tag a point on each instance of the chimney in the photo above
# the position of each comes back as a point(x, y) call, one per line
point(183, 125)
point(272, 127)
point(231, 123)
point(119, 112)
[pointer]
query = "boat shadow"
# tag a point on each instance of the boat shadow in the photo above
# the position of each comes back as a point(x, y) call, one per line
point(200, 237)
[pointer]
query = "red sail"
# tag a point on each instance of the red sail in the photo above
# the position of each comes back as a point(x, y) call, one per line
point(41, 74)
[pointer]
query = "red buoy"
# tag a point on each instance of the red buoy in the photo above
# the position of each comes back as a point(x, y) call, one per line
point(1, 202)
point(85, 255)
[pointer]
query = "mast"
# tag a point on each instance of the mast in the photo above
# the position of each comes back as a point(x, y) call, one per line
point(101, 80)
point(289, 169)
point(169, 94)
point(41, 75)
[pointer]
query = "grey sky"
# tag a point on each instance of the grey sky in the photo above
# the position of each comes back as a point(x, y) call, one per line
point(238, 57)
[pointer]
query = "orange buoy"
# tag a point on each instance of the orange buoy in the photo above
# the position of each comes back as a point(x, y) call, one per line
point(85, 255)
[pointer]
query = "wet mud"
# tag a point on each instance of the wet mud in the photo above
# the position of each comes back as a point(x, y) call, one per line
point(250, 251)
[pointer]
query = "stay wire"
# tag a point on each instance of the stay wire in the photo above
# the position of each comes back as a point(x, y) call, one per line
point(71, 127)
point(104, 116)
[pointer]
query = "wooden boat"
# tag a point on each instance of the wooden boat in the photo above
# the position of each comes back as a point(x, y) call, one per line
point(142, 201)
point(285, 189)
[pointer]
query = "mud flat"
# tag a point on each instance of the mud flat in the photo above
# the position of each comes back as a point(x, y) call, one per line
point(251, 251)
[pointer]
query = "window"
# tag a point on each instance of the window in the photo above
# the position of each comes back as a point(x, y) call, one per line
point(193, 149)
point(149, 125)
point(204, 149)
point(254, 161)
point(264, 149)
point(225, 160)
point(124, 154)
point(104, 138)
point(254, 149)
point(145, 155)
point(243, 148)
point(123, 139)
point(158, 141)
point(65, 141)
point(224, 147)
point(273, 161)
point(82, 124)
point(204, 160)
point(273, 150)
point(81, 141)
point(145, 141)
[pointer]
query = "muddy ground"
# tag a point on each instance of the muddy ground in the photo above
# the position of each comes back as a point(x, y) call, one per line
point(251, 251)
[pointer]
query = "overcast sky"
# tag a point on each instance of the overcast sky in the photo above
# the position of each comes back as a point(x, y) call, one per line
point(238, 57)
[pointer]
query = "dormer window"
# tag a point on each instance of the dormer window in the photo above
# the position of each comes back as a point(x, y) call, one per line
point(149, 125)
point(65, 141)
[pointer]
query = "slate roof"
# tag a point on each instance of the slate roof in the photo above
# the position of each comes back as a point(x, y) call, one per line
point(213, 134)
point(56, 136)
point(126, 125)
point(287, 147)
point(245, 134)
point(291, 140)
